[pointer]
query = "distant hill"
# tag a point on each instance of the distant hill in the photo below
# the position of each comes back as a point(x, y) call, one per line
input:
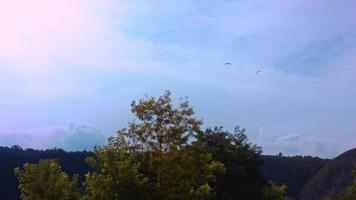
point(335, 177)
point(294, 171)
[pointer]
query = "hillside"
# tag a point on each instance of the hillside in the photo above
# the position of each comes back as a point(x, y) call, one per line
point(294, 171)
point(335, 177)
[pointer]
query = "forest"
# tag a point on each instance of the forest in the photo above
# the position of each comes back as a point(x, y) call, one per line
point(163, 154)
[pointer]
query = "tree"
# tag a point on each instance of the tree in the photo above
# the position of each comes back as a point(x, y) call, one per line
point(116, 176)
point(161, 155)
point(155, 156)
point(274, 192)
point(46, 180)
point(16, 148)
point(243, 178)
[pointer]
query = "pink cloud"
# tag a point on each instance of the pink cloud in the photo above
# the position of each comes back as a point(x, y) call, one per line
point(36, 34)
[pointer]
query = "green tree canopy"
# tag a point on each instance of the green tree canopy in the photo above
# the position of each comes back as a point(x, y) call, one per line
point(45, 181)
point(161, 155)
point(243, 178)
point(274, 192)
point(155, 155)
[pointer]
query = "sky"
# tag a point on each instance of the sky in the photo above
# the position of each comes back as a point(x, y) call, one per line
point(70, 68)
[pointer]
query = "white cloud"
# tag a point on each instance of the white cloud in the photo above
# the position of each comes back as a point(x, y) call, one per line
point(294, 144)
point(76, 136)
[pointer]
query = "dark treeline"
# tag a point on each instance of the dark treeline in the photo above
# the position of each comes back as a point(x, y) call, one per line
point(293, 171)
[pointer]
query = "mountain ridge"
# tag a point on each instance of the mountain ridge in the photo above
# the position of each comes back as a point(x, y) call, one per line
point(333, 178)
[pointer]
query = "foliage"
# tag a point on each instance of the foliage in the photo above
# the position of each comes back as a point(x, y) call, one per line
point(116, 176)
point(162, 154)
point(46, 180)
point(293, 171)
point(10, 158)
point(243, 178)
point(274, 192)
point(157, 152)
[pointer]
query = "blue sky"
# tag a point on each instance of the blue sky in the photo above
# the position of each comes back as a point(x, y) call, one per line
point(71, 68)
